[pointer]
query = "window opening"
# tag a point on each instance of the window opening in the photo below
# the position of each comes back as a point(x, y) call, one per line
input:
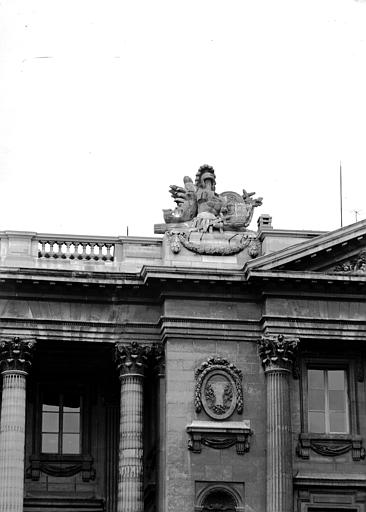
point(327, 401)
point(61, 415)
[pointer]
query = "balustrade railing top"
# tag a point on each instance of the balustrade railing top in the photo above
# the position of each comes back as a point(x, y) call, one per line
point(29, 249)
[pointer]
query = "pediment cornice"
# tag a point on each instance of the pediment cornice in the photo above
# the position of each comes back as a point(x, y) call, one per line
point(342, 251)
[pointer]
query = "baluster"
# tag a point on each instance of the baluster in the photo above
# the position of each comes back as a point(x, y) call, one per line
point(109, 256)
point(67, 251)
point(87, 255)
point(54, 252)
point(96, 254)
point(62, 251)
point(42, 250)
point(83, 250)
point(47, 251)
point(72, 253)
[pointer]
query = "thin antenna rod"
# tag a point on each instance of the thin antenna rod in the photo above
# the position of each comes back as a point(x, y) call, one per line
point(341, 191)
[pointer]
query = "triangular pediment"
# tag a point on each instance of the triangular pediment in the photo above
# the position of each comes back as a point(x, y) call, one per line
point(342, 251)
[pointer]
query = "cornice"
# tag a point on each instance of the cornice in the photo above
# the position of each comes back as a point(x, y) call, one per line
point(302, 276)
point(304, 249)
point(205, 273)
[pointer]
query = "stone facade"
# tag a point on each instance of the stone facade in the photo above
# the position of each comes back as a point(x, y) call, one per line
point(196, 371)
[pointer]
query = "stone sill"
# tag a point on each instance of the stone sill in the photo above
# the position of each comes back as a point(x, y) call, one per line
point(330, 480)
point(219, 427)
point(330, 445)
point(219, 435)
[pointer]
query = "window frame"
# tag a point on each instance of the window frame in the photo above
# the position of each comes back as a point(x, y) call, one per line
point(330, 444)
point(60, 433)
point(59, 464)
point(329, 364)
point(326, 399)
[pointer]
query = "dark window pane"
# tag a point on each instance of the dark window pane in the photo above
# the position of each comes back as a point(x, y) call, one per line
point(71, 422)
point(51, 401)
point(336, 379)
point(337, 400)
point(71, 402)
point(316, 422)
point(316, 379)
point(50, 422)
point(337, 422)
point(316, 400)
point(49, 443)
point(71, 443)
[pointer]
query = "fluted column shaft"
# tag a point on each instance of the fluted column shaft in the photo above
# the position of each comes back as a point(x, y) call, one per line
point(14, 360)
point(130, 485)
point(12, 440)
point(277, 354)
point(279, 443)
point(131, 361)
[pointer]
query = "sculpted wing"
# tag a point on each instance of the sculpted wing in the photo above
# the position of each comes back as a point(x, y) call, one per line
point(179, 194)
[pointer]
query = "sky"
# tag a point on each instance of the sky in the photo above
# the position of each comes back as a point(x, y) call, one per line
point(105, 103)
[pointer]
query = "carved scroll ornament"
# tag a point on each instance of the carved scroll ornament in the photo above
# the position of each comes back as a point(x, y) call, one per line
point(218, 389)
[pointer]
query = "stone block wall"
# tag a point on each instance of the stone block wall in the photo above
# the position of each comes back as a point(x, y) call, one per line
point(185, 468)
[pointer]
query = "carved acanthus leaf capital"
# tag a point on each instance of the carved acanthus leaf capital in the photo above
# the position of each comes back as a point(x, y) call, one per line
point(278, 352)
point(132, 358)
point(158, 358)
point(16, 354)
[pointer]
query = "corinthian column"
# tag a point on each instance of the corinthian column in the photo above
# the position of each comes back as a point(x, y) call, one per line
point(131, 362)
point(15, 361)
point(277, 354)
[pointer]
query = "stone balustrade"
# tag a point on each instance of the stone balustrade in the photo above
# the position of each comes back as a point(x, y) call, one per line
point(77, 252)
point(74, 249)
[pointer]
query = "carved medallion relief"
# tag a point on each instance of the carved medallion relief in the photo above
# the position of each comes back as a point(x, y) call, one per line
point(219, 389)
point(219, 393)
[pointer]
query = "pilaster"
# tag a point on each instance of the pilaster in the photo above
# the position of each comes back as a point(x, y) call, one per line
point(159, 370)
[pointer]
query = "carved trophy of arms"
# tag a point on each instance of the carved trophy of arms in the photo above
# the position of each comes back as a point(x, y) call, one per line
point(186, 201)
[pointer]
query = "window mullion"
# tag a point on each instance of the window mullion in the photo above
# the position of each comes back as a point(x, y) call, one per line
point(60, 424)
point(347, 404)
point(326, 389)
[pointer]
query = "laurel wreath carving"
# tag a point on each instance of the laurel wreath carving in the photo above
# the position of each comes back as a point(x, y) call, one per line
point(213, 365)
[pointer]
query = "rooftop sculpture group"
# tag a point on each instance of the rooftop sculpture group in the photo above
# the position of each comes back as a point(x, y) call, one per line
point(200, 209)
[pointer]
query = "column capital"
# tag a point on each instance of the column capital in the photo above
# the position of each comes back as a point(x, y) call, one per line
point(16, 354)
point(158, 357)
point(131, 358)
point(277, 352)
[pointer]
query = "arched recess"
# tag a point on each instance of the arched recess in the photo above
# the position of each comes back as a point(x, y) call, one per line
point(219, 498)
